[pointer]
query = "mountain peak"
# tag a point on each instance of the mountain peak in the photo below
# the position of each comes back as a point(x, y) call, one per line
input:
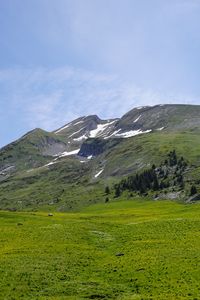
point(65, 153)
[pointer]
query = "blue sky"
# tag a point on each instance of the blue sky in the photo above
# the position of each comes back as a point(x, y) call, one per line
point(61, 59)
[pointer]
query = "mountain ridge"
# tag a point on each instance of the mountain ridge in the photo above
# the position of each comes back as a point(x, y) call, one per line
point(89, 153)
point(81, 135)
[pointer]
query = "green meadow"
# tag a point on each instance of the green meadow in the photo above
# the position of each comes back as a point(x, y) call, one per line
point(137, 249)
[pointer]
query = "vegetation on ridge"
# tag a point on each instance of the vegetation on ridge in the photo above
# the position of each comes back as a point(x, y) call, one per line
point(168, 176)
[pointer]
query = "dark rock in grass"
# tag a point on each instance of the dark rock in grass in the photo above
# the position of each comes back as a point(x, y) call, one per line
point(119, 254)
point(50, 215)
point(97, 296)
point(12, 209)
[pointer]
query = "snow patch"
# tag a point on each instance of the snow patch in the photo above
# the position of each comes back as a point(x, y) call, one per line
point(76, 132)
point(114, 133)
point(49, 164)
point(96, 175)
point(66, 126)
point(132, 133)
point(79, 122)
point(69, 153)
point(62, 128)
point(161, 128)
point(137, 119)
point(140, 107)
point(100, 128)
point(83, 137)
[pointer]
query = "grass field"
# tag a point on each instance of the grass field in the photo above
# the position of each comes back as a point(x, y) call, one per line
point(73, 255)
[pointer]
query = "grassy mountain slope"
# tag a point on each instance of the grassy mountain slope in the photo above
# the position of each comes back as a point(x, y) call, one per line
point(169, 117)
point(66, 185)
point(31, 178)
point(32, 150)
point(70, 184)
point(144, 150)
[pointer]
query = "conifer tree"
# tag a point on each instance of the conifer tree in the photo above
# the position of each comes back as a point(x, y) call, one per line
point(193, 190)
point(107, 190)
point(117, 190)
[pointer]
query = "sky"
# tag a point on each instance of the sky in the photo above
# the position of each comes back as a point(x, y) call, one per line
point(62, 59)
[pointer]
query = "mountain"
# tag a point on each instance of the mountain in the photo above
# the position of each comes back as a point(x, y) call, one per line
point(160, 117)
point(71, 166)
point(85, 127)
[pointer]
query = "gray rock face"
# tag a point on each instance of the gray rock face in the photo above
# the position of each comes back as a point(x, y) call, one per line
point(77, 132)
point(52, 147)
point(94, 147)
point(161, 117)
point(193, 198)
point(170, 196)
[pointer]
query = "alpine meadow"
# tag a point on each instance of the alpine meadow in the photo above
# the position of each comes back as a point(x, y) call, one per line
point(99, 150)
point(103, 209)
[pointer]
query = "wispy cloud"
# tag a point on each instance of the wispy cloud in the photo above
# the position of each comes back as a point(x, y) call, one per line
point(48, 98)
point(113, 55)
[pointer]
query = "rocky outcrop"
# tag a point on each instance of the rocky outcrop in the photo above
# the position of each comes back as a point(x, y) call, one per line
point(96, 146)
point(193, 198)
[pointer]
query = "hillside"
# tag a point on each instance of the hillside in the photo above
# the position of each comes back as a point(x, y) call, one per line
point(70, 167)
